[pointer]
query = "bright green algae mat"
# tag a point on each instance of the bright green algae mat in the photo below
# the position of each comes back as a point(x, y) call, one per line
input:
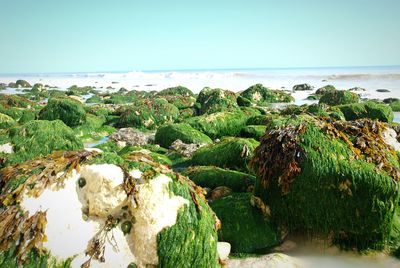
point(244, 226)
point(320, 184)
point(169, 133)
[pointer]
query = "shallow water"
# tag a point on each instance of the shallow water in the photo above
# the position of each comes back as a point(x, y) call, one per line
point(94, 144)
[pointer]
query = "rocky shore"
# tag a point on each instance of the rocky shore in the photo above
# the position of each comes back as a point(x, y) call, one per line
point(177, 179)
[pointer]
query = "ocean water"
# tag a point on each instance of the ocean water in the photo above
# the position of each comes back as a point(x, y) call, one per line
point(370, 78)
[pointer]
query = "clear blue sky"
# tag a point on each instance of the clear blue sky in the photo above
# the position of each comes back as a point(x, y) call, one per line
point(119, 35)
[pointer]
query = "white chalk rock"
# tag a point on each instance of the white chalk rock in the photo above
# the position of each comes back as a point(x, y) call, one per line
point(275, 260)
point(223, 249)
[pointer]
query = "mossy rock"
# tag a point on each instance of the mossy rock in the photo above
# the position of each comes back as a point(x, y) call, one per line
point(70, 111)
point(395, 105)
point(19, 83)
point(148, 114)
point(231, 153)
point(328, 180)
point(338, 97)
point(93, 129)
point(41, 137)
point(243, 225)
point(121, 99)
point(261, 119)
point(185, 113)
point(219, 124)
point(181, 102)
point(169, 133)
point(215, 100)
point(79, 91)
point(302, 87)
point(176, 91)
point(253, 131)
point(212, 177)
point(325, 89)
point(6, 121)
point(262, 96)
point(95, 99)
point(190, 239)
point(369, 109)
point(15, 101)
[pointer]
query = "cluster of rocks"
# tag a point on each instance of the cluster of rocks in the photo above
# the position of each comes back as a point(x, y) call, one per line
point(198, 169)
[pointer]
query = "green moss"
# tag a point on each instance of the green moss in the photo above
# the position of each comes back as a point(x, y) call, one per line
point(169, 133)
point(192, 241)
point(261, 119)
point(34, 260)
point(338, 97)
point(395, 105)
point(321, 185)
point(253, 131)
point(28, 115)
point(228, 153)
point(78, 91)
point(39, 138)
point(120, 99)
point(220, 124)
point(244, 102)
point(262, 96)
point(212, 177)
point(147, 114)
point(94, 99)
point(176, 91)
point(70, 111)
point(93, 128)
point(367, 109)
point(325, 89)
point(215, 100)
point(243, 225)
point(6, 121)
point(107, 158)
point(9, 101)
point(181, 102)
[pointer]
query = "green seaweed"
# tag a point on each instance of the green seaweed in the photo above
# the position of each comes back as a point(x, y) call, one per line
point(368, 109)
point(169, 133)
point(70, 111)
point(338, 97)
point(243, 225)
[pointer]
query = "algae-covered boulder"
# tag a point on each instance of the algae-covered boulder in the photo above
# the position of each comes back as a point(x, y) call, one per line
point(169, 133)
point(253, 131)
point(262, 96)
point(302, 87)
point(212, 177)
point(215, 100)
point(115, 217)
point(232, 153)
point(181, 102)
point(147, 114)
point(338, 97)
point(176, 91)
point(70, 111)
point(6, 121)
point(41, 137)
point(243, 225)
point(95, 99)
point(220, 124)
point(325, 89)
point(395, 105)
point(19, 83)
point(337, 179)
point(368, 109)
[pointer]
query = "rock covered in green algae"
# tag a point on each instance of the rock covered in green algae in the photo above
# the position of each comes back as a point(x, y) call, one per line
point(253, 131)
point(368, 109)
point(316, 109)
point(322, 90)
point(148, 114)
point(19, 83)
point(215, 100)
point(220, 124)
point(212, 177)
point(262, 96)
point(95, 99)
point(169, 133)
point(41, 137)
point(395, 105)
point(171, 224)
point(228, 153)
point(334, 179)
point(6, 121)
point(338, 97)
point(68, 110)
point(243, 225)
point(176, 91)
point(302, 87)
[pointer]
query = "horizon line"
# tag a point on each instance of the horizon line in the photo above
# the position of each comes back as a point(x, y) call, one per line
point(207, 69)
